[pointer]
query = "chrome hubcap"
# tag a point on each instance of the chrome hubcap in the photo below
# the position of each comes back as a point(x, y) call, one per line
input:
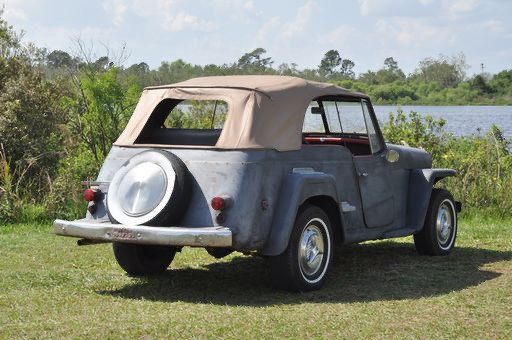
point(444, 223)
point(142, 189)
point(311, 250)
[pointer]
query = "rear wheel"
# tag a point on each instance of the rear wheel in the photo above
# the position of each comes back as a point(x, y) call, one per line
point(304, 264)
point(141, 260)
point(440, 229)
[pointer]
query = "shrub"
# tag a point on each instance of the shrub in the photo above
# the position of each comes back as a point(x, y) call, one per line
point(416, 131)
point(65, 197)
point(483, 162)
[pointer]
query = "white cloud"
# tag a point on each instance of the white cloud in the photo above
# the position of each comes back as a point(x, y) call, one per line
point(266, 30)
point(301, 20)
point(494, 26)
point(447, 9)
point(411, 32)
point(15, 14)
point(381, 7)
point(457, 9)
point(184, 21)
point(460, 6)
point(408, 30)
point(156, 8)
point(276, 30)
point(117, 8)
point(364, 7)
point(52, 38)
point(230, 5)
point(249, 5)
point(17, 10)
point(170, 15)
point(341, 35)
point(395, 8)
point(236, 10)
point(180, 21)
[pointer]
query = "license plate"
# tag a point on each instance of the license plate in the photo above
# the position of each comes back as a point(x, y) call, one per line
point(123, 235)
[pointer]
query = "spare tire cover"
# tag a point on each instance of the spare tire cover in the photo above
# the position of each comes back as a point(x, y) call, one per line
point(151, 188)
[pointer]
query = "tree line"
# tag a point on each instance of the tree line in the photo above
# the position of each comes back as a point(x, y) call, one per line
point(441, 80)
point(60, 111)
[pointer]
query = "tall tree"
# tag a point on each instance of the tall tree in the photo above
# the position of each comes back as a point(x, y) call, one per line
point(446, 71)
point(346, 68)
point(100, 107)
point(254, 62)
point(59, 58)
point(329, 64)
point(390, 72)
point(390, 64)
point(288, 69)
point(501, 83)
point(333, 66)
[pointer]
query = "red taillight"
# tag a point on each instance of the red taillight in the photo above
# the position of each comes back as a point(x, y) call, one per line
point(89, 195)
point(218, 203)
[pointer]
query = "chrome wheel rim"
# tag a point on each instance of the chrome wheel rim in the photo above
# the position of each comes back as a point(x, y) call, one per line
point(445, 223)
point(311, 249)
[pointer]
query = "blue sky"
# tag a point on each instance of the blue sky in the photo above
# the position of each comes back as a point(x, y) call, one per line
point(220, 31)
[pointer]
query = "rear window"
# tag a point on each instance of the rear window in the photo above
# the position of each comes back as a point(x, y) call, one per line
point(185, 122)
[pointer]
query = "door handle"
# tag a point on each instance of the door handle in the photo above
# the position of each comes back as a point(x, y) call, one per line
point(363, 174)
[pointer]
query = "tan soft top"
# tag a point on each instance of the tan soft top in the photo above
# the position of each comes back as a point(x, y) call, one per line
point(264, 111)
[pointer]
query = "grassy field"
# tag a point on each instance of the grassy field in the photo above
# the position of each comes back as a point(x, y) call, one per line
point(49, 287)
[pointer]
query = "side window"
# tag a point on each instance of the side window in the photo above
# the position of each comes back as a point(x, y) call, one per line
point(352, 118)
point(331, 109)
point(313, 121)
point(375, 142)
point(342, 121)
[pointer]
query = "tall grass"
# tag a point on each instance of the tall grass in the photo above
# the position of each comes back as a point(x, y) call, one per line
point(16, 203)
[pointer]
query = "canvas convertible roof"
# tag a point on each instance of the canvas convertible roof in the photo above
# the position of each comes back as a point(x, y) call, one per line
point(264, 111)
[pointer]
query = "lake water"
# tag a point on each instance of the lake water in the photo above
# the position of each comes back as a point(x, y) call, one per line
point(460, 120)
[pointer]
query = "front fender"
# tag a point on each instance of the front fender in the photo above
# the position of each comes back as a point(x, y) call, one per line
point(420, 189)
point(296, 189)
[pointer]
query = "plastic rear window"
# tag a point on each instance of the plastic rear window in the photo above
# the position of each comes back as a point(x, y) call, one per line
point(185, 122)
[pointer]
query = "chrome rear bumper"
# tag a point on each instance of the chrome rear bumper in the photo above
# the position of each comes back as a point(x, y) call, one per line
point(172, 236)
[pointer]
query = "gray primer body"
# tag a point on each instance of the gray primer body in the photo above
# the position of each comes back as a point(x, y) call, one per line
point(374, 198)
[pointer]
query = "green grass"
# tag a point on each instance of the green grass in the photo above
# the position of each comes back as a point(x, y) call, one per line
point(49, 287)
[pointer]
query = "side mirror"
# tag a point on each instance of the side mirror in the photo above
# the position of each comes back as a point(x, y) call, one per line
point(392, 156)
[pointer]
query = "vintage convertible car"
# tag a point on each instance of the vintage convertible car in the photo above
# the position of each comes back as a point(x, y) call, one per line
point(268, 165)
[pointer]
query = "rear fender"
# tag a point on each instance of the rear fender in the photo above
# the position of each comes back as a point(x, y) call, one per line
point(296, 189)
point(420, 189)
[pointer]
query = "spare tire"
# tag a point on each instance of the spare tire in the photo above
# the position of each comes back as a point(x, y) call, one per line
point(151, 188)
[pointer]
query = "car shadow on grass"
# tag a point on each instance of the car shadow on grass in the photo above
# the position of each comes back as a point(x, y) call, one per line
point(361, 273)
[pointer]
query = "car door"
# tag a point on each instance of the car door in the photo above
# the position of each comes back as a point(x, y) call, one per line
point(377, 196)
point(372, 168)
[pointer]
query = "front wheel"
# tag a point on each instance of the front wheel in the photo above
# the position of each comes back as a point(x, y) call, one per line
point(141, 260)
point(440, 229)
point(303, 266)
